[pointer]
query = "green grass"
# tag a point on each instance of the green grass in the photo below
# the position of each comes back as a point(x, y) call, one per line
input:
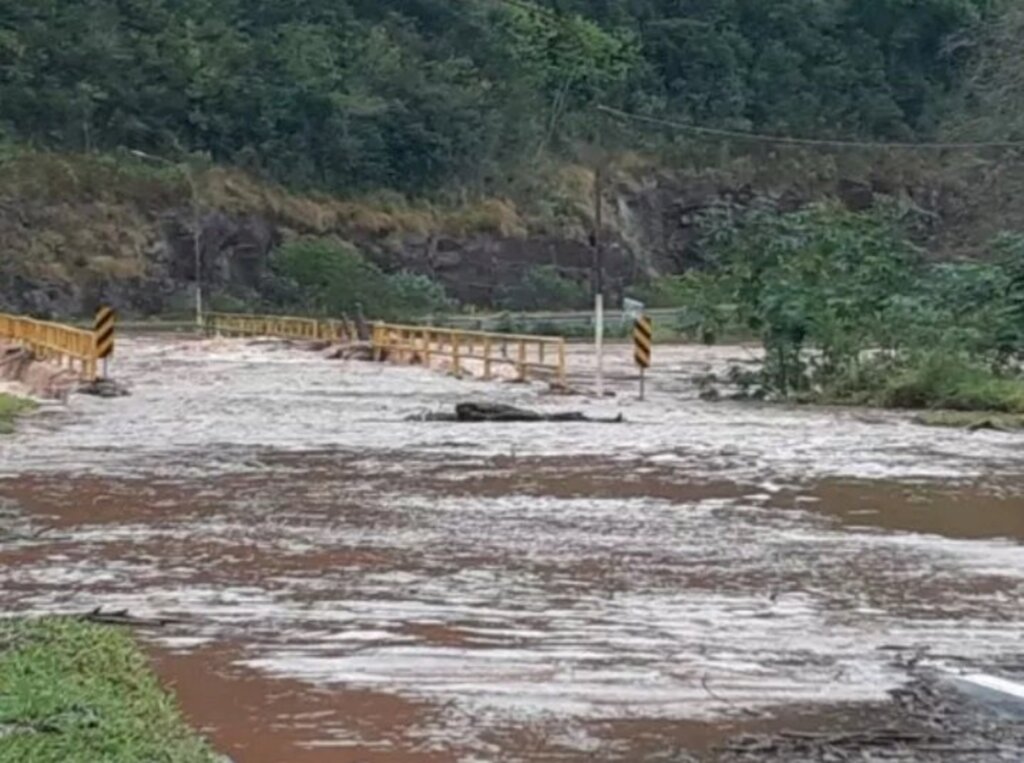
point(949, 382)
point(71, 692)
point(10, 408)
point(973, 420)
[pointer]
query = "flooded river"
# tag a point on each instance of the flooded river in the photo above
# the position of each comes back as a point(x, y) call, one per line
point(352, 585)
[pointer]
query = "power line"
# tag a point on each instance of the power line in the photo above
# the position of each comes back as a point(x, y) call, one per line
point(791, 141)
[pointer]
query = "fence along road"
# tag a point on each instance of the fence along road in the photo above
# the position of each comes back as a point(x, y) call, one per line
point(528, 354)
point(78, 348)
point(282, 326)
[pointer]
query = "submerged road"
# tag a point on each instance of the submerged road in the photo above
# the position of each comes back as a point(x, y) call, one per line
point(355, 586)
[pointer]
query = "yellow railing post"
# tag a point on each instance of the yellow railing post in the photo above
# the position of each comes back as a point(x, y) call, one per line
point(521, 363)
point(561, 362)
point(401, 342)
point(378, 342)
point(487, 359)
point(456, 355)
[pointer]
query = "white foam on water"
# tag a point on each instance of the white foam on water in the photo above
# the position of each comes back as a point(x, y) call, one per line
point(691, 611)
point(201, 408)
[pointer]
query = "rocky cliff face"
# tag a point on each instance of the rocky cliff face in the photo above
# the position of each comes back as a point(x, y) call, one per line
point(68, 246)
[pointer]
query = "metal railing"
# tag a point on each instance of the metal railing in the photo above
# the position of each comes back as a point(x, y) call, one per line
point(54, 341)
point(527, 354)
point(281, 326)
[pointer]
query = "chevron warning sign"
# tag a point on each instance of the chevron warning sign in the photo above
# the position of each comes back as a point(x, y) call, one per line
point(106, 320)
point(643, 341)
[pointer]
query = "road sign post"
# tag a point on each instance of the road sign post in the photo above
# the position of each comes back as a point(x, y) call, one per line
point(643, 341)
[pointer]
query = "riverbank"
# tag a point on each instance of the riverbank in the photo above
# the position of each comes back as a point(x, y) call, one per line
point(74, 692)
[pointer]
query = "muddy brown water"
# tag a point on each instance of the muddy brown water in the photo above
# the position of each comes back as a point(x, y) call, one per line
point(355, 586)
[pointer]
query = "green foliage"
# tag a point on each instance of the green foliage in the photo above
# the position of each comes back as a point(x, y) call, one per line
point(415, 295)
point(77, 693)
point(543, 287)
point(950, 381)
point(665, 292)
point(972, 420)
point(10, 408)
point(821, 277)
point(512, 323)
point(415, 94)
point(845, 306)
point(1010, 315)
point(334, 278)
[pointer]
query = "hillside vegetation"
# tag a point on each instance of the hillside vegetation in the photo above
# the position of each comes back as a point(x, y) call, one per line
point(429, 94)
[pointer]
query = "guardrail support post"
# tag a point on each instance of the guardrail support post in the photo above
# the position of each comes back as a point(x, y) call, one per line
point(426, 348)
point(378, 342)
point(456, 355)
point(487, 359)
point(521, 363)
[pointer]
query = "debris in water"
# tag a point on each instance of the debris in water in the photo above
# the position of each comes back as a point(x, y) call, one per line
point(492, 412)
point(104, 388)
point(123, 618)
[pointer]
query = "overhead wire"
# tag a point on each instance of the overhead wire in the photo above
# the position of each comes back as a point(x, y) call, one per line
point(742, 135)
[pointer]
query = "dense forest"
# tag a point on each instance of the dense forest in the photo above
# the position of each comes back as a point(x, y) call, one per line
point(349, 95)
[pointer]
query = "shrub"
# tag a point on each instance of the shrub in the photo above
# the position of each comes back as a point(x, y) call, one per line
point(946, 380)
point(415, 295)
point(335, 278)
point(543, 287)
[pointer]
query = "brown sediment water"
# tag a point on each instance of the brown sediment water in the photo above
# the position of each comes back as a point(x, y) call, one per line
point(252, 718)
point(988, 508)
point(353, 585)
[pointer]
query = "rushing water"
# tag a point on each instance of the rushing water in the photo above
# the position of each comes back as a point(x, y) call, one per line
point(506, 582)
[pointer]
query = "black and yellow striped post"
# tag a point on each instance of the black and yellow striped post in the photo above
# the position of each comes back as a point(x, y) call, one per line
point(103, 331)
point(643, 342)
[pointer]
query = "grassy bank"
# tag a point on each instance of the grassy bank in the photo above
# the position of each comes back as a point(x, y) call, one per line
point(71, 692)
point(950, 389)
point(973, 420)
point(10, 408)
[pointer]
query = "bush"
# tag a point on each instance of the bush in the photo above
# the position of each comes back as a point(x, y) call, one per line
point(949, 381)
point(666, 292)
point(844, 304)
point(417, 295)
point(543, 287)
point(335, 278)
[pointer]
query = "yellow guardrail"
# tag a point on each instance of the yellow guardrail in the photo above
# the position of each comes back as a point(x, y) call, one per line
point(282, 326)
point(54, 341)
point(527, 354)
